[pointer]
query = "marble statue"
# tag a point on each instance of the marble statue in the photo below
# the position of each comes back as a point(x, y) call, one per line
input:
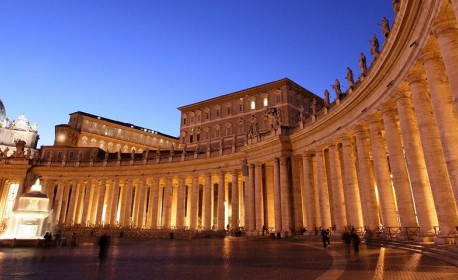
point(349, 77)
point(313, 106)
point(327, 102)
point(385, 27)
point(362, 63)
point(336, 87)
point(374, 46)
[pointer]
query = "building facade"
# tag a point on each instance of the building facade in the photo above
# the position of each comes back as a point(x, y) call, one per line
point(382, 157)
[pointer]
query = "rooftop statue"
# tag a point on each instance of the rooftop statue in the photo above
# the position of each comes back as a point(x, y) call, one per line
point(327, 102)
point(349, 77)
point(396, 4)
point(313, 106)
point(336, 87)
point(385, 27)
point(374, 46)
point(362, 63)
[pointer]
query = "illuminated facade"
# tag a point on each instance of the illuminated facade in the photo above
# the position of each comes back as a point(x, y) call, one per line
point(383, 157)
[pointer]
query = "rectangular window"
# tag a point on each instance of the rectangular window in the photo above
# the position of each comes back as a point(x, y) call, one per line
point(184, 121)
point(278, 98)
point(265, 101)
point(253, 105)
point(241, 107)
point(228, 110)
point(207, 115)
point(217, 113)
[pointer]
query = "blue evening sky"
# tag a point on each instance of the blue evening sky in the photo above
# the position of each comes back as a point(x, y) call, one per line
point(137, 61)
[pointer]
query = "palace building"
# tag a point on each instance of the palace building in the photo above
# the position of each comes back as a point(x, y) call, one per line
point(382, 157)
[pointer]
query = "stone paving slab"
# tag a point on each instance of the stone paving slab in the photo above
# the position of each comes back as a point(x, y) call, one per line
point(228, 258)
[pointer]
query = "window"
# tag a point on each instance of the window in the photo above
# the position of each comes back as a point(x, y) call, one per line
point(241, 107)
point(184, 120)
point(278, 98)
point(217, 113)
point(265, 101)
point(253, 104)
point(207, 115)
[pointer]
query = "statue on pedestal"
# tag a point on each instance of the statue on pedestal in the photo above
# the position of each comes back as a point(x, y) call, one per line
point(327, 102)
point(336, 87)
point(385, 27)
point(349, 77)
point(362, 63)
point(374, 46)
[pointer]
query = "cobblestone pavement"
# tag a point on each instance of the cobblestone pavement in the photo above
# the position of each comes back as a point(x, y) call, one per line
point(229, 258)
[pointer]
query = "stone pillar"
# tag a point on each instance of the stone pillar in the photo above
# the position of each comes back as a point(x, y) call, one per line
point(181, 202)
point(434, 155)
point(87, 204)
point(338, 200)
point(308, 193)
point(101, 203)
point(80, 202)
point(70, 220)
point(277, 195)
point(235, 200)
point(58, 202)
point(127, 203)
point(154, 203)
point(168, 193)
point(136, 204)
point(323, 192)
point(455, 8)
point(258, 198)
point(444, 111)
point(285, 197)
point(399, 173)
point(351, 190)
point(142, 204)
point(421, 189)
point(366, 180)
point(382, 173)
point(250, 203)
point(207, 202)
point(65, 202)
point(446, 31)
point(114, 202)
point(195, 202)
point(221, 200)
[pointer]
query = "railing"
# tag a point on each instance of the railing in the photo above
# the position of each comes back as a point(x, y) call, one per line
point(411, 232)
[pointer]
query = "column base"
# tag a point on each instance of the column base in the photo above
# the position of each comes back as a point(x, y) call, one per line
point(446, 239)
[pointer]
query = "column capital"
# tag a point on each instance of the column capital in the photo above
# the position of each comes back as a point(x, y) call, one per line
point(403, 91)
point(376, 118)
point(445, 25)
point(361, 128)
point(431, 51)
point(417, 74)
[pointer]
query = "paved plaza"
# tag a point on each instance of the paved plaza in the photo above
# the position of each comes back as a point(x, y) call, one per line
point(219, 258)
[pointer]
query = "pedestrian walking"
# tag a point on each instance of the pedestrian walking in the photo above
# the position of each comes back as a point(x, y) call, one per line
point(346, 237)
point(355, 239)
point(104, 242)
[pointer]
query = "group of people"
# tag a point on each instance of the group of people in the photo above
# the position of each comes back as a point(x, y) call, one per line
point(51, 240)
point(349, 237)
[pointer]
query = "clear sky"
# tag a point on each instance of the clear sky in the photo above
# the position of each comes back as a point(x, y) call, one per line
point(137, 61)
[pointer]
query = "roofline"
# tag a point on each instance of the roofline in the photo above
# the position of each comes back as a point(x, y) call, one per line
point(129, 125)
point(269, 84)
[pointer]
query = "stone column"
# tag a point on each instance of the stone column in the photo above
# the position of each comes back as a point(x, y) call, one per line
point(338, 200)
point(285, 197)
point(101, 202)
point(399, 173)
point(58, 202)
point(181, 202)
point(87, 204)
point(142, 204)
point(80, 202)
point(308, 193)
point(250, 203)
point(168, 193)
point(127, 203)
point(136, 204)
point(235, 200)
point(434, 155)
point(154, 203)
point(195, 202)
point(221, 200)
point(114, 203)
point(323, 192)
point(382, 173)
point(444, 111)
point(415, 160)
point(94, 195)
point(447, 32)
point(65, 201)
point(366, 180)
point(351, 190)
point(277, 195)
point(207, 202)
point(70, 220)
point(258, 198)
